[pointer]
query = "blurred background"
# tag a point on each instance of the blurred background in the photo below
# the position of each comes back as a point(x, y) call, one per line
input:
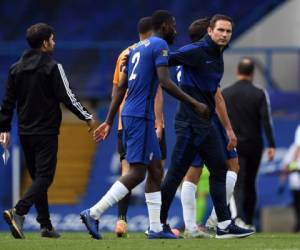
point(89, 37)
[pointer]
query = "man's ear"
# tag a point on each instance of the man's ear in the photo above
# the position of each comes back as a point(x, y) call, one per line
point(209, 30)
point(45, 44)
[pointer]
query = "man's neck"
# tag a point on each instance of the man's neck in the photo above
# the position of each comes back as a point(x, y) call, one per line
point(244, 78)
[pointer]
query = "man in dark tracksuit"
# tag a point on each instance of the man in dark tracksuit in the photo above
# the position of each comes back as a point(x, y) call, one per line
point(249, 110)
point(202, 71)
point(36, 86)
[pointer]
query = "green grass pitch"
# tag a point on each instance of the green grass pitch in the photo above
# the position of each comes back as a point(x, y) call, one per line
point(82, 241)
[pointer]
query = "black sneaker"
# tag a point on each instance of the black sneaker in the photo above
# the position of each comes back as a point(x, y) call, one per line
point(15, 223)
point(49, 233)
point(233, 231)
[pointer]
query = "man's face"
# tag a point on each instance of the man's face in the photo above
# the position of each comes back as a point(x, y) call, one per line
point(49, 45)
point(169, 31)
point(221, 33)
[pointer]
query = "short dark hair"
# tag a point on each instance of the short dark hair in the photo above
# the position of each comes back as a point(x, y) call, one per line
point(37, 34)
point(218, 17)
point(198, 28)
point(159, 17)
point(144, 24)
point(246, 66)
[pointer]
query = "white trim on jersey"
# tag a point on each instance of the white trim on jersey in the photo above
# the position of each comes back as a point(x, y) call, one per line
point(269, 107)
point(75, 103)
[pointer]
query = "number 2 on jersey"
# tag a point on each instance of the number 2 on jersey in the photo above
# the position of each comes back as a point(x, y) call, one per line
point(135, 60)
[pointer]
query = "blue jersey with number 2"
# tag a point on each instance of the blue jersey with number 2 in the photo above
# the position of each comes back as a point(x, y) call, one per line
point(142, 77)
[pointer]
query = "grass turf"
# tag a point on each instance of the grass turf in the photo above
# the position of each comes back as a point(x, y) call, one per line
point(82, 241)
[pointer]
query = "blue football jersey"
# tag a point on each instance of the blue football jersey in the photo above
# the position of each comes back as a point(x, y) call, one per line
point(142, 76)
point(199, 75)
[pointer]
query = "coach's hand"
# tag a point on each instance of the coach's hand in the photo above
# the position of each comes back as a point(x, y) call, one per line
point(102, 132)
point(202, 109)
point(5, 139)
point(232, 139)
point(91, 124)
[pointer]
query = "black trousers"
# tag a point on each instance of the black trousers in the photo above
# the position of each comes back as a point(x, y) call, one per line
point(245, 188)
point(296, 204)
point(189, 142)
point(41, 158)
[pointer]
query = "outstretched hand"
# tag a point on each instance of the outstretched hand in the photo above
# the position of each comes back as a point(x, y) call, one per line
point(101, 132)
point(91, 124)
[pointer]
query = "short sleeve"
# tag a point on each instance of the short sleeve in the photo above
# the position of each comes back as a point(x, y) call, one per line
point(161, 53)
point(117, 72)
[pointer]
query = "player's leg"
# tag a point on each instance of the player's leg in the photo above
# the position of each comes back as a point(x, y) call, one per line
point(183, 153)
point(188, 197)
point(240, 188)
point(296, 204)
point(45, 148)
point(121, 228)
point(214, 158)
point(250, 186)
point(153, 187)
point(231, 177)
point(188, 200)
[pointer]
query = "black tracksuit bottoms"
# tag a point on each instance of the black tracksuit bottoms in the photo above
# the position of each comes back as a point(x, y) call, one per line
point(245, 194)
point(206, 142)
point(41, 158)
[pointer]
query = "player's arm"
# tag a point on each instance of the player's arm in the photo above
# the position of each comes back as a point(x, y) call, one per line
point(159, 115)
point(223, 116)
point(186, 56)
point(103, 130)
point(65, 95)
point(8, 105)
point(266, 118)
point(172, 89)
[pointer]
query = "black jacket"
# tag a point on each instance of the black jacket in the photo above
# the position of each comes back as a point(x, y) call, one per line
point(36, 86)
point(249, 111)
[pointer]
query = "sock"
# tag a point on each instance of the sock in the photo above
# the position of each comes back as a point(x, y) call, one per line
point(113, 195)
point(123, 207)
point(188, 201)
point(231, 177)
point(224, 224)
point(153, 201)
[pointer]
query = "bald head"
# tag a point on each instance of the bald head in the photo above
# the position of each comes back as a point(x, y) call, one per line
point(246, 66)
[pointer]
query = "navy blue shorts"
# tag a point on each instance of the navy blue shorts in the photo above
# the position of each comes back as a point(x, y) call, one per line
point(229, 154)
point(140, 141)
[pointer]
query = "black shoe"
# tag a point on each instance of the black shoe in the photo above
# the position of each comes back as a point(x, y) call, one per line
point(49, 233)
point(233, 231)
point(15, 222)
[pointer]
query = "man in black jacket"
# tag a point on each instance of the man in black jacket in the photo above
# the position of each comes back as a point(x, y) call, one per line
point(36, 86)
point(249, 110)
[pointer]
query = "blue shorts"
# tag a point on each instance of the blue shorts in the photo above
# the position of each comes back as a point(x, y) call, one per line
point(230, 154)
point(140, 141)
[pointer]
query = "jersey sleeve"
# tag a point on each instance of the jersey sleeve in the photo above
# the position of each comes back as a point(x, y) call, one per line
point(187, 56)
point(161, 53)
point(117, 72)
point(8, 105)
point(65, 95)
point(297, 136)
point(266, 118)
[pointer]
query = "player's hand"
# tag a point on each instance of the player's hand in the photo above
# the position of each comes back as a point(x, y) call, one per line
point(232, 139)
point(5, 139)
point(159, 132)
point(202, 109)
point(91, 124)
point(102, 132)
point(271, 153)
